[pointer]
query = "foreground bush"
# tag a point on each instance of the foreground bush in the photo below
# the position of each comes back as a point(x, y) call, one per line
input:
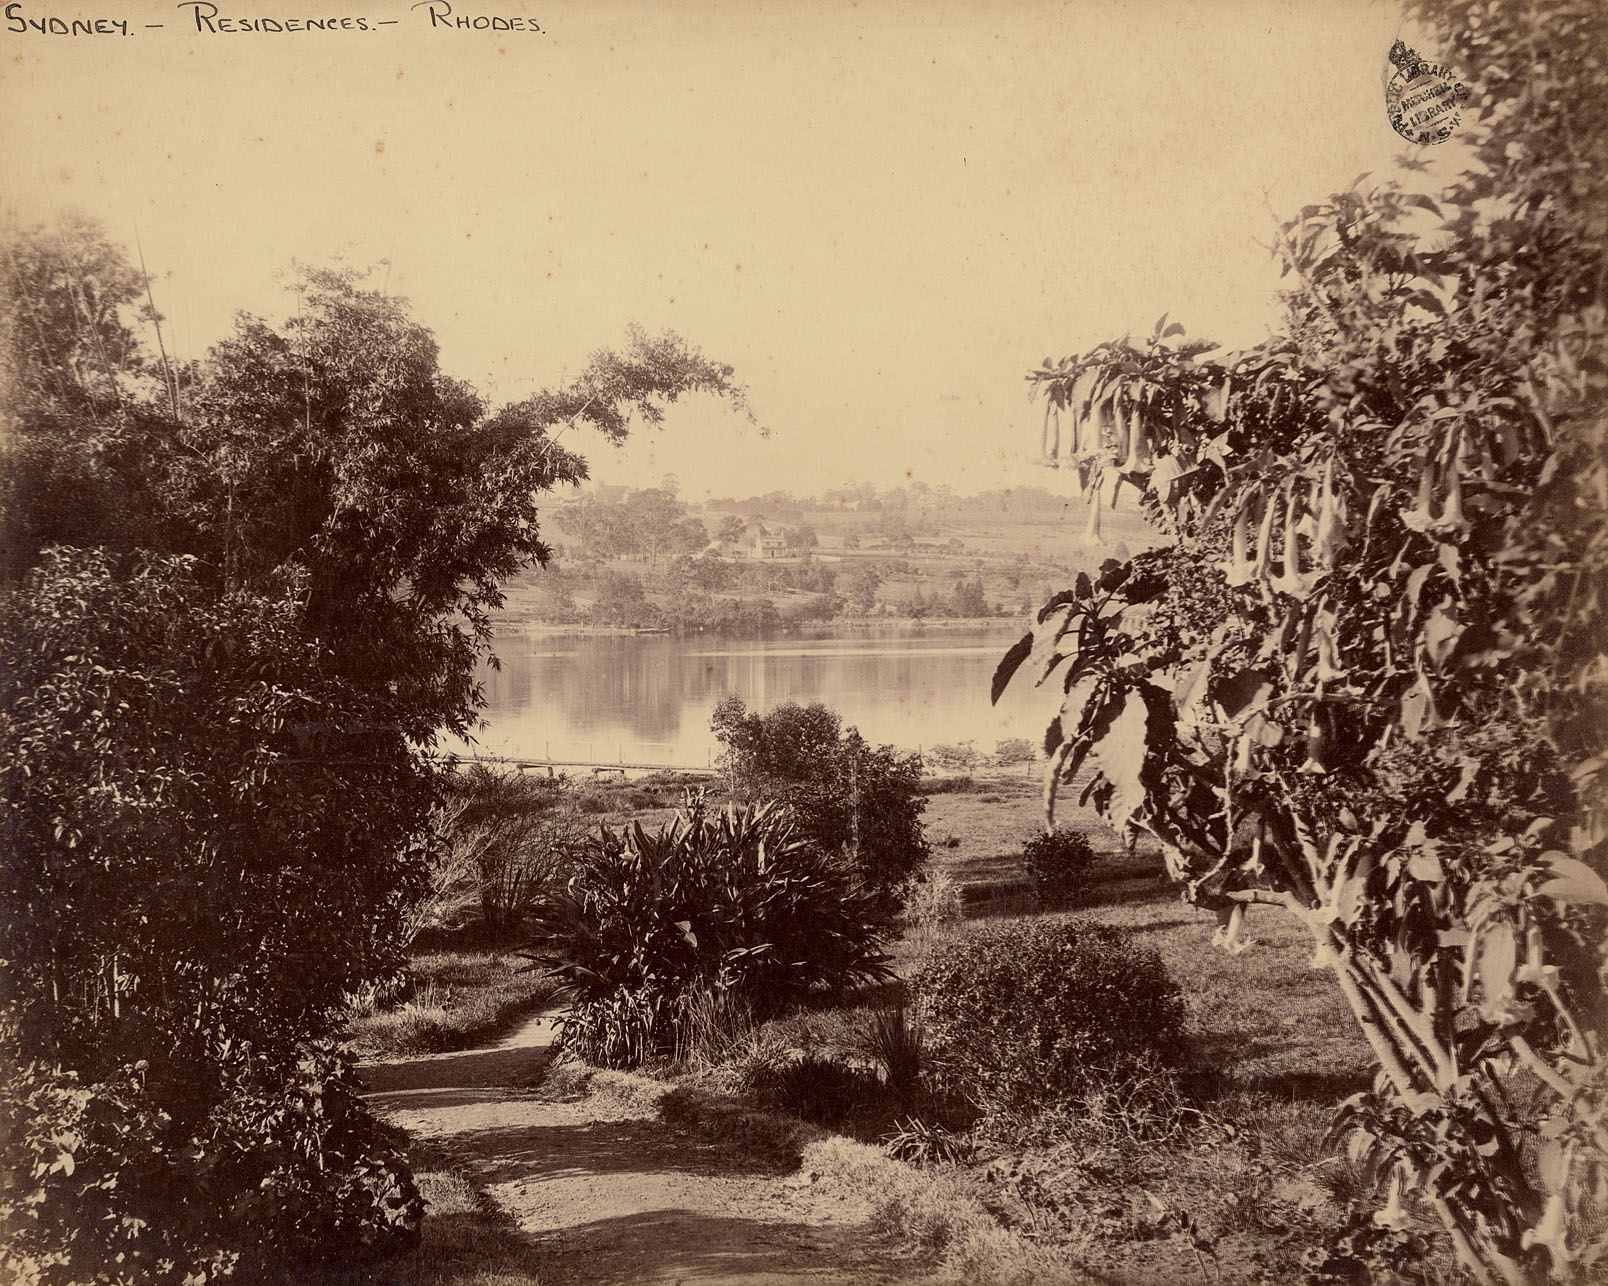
point(103, 1185)
point(739, 904)
point(1027, 1015)
point(1058, 864)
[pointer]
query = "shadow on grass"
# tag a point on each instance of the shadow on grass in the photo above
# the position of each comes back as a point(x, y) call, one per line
point(456, 1078)
point(1220, 1070)
point(638, 1147)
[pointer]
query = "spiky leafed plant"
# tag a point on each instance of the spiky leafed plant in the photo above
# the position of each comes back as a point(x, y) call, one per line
point(735, 902)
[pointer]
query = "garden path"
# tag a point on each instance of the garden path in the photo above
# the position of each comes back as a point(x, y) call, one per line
point(609, 1192)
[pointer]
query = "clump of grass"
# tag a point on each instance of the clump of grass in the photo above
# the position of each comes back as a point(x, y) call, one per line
point(894, 1041)
point(937, 1215)
point(457, 1000)
point(932, 904)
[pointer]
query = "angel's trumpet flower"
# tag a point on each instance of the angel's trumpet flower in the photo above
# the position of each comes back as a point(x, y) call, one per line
point(1452, 516)
point(1264, 541)
point(1239, 568)
point(1138, 443)
point(1091, 533)
point(1050, 441)
point(1422, 514)
point(1332, 538)
point(1291, 581)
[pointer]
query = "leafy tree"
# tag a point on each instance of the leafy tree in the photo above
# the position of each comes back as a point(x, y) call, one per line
point(731, 529)
point(848, 796)
point(223, 676)
point(801, 539)
point(1367, 681)
point(649, 524)
point(705, 575)
point(863, 581)
point(969, 600)
point(621, 601)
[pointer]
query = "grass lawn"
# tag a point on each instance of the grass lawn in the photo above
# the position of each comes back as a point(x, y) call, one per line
point(459, 999)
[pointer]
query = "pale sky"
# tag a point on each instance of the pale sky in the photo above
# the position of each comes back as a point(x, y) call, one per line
point(882, 214)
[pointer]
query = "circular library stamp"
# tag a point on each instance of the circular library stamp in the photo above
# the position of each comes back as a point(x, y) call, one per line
point(1423, 99)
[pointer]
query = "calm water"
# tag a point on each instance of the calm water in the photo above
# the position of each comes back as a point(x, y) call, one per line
point(648, 698)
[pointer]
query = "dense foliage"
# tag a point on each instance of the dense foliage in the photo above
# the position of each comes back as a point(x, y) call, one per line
point(648, 524)
point(847, 797)
point(102, 1186)
point(241, 598)
point(1037, 1013)
point(738, 905)
point(1059, 864)
point(1367, 682)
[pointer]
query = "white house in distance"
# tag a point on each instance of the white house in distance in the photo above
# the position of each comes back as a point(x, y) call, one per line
point(755, 542)
point(759, 543)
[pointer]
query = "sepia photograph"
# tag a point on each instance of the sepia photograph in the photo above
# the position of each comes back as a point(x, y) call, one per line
point(803, 641)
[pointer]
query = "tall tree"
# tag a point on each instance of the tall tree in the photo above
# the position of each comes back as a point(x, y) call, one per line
point(216, 713)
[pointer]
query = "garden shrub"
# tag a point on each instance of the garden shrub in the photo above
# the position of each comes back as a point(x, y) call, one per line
point(1030, 1014)
point(850, 797)
point(1058, 864)
point(739, 903)
point(103, 1185)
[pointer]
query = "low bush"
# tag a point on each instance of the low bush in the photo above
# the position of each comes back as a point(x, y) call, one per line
point(102, 1185)
point(962, 785)
point(1059, 864)
point(1030, 1014)
point(738, 903)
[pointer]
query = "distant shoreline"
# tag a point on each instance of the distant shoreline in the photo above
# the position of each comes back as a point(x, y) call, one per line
point(841, 622)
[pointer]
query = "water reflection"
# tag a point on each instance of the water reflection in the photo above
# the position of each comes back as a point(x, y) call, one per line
point(648, 698)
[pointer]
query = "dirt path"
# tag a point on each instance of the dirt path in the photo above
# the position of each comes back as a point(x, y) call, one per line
point(615, 1196)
